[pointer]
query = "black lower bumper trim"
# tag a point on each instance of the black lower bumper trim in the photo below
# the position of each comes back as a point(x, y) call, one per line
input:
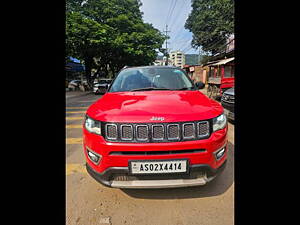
point(105, 177)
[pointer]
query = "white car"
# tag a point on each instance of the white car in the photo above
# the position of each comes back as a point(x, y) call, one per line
point(101, 86)
point(74, 84)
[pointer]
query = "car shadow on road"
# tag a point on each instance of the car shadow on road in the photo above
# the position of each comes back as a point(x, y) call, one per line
point(216, 187)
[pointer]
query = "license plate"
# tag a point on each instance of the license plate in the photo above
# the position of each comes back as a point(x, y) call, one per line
point(151, 167)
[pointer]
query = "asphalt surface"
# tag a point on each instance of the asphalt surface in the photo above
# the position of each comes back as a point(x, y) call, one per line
point(90, 203)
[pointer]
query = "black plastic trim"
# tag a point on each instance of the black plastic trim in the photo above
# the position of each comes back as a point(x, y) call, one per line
point(103, 178)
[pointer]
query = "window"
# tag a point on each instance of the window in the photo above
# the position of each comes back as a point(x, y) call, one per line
point(229, 71)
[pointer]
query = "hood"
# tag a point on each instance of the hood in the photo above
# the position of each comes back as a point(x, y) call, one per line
point(229, 91)
point(140, 107)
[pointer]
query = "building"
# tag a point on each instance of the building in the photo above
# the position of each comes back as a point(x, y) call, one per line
point(161, 61)
point(197, 72)
point(177, 58)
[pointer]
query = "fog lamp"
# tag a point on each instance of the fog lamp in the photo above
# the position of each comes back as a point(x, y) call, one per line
point(220, 153)
point(93, 156)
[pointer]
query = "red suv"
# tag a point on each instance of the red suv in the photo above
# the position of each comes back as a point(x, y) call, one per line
point(154, 129)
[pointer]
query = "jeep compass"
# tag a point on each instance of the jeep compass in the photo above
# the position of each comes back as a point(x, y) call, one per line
point(154, 129)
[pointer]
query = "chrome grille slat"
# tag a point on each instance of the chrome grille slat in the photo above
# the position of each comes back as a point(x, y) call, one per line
point(157, 132)
point(142, 133)
point(203, 129)
point(111, 131)
point(188, 130)
point(126, 132)
point(173, 131)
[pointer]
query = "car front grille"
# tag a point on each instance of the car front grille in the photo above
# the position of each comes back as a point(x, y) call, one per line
point(156, 132)
point(227, 98)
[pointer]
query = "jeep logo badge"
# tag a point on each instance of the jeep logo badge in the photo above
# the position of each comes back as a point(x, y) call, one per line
point(157, 118)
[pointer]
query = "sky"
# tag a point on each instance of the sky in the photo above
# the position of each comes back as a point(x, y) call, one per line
point(173, 13)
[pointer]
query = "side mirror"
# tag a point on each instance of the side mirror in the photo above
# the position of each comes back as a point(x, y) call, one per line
point(200, 85)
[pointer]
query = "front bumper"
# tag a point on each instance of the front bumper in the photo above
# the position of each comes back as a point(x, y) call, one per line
point(199, 174)
point(113, 170)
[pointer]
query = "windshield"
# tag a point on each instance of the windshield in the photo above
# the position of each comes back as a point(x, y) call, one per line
point(135, 79)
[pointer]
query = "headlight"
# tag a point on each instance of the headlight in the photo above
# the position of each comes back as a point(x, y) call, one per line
point(92, 126)
point(219, 122)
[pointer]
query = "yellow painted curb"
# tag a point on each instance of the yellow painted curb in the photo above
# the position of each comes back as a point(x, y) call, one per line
point(75, 168)
point(75, 111)
point(73, 126)
point(70, 141)
point(74, 118)
point(77, 107)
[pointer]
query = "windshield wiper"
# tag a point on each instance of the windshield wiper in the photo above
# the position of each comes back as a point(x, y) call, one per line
point(185, 88)
point(149, 89)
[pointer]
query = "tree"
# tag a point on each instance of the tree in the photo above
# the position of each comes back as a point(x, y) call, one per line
point(84, 39)
point(211, 22)
point(112, 32)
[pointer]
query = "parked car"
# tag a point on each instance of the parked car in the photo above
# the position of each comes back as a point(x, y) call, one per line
point(227, 102)
point(154, 129)
point(74, 84)
point(101, 86)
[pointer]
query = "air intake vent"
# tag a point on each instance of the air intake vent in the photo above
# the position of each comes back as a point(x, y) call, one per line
point(142, 133)
point(173, 132)
point(158, 132)
point(111, 131)
point(203, 129)
point(188, 130)
point(126, 132)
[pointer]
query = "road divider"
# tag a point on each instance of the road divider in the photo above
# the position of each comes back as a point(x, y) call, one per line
point(70, 141)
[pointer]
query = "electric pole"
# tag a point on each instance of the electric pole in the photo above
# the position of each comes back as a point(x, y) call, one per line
point(167, 43)
point(199, 55)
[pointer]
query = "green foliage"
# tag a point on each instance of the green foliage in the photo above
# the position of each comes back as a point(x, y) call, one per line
point(205, 59)
point(211, 22)
point(111, 31)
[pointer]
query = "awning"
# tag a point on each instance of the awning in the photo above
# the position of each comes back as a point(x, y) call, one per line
point(209, 63)
point(223, 62)
point(74, 67)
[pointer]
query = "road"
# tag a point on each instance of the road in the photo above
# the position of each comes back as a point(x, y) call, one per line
point(90, 203)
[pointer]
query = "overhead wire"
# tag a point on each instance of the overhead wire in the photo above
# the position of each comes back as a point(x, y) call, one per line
point(185, 46)
point(171, 26)
point(218, 41)
point(173, 9)
point(169, 11)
